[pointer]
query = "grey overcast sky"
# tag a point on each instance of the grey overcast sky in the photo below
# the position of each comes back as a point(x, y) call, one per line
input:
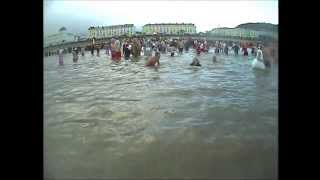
point(78, 15)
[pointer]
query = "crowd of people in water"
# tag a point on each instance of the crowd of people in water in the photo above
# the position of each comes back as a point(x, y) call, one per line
point(132, 48)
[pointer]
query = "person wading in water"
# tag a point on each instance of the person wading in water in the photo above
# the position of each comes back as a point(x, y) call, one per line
point(60, 57)
point(75, 55)
point(154, 60)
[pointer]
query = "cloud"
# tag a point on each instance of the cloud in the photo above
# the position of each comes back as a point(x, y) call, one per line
point(79, 15)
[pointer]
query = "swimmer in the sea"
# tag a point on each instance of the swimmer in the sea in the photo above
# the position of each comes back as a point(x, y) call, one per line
point(195, 62)
point(154, 60)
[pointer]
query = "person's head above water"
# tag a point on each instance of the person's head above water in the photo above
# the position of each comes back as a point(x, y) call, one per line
point(195, 62)
point(260, 47)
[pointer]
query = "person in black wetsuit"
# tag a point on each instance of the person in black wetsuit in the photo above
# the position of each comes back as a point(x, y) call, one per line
point(124, 46)
point(226, 49)
point(126, 51)
point(92, 50)
point(253, 52)
point(236, 49)
point(180, 46)
point(98, 50)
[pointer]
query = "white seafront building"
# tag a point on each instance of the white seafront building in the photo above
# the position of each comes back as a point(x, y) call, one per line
point(63, 36)
point(111, 31)
point(81, 36)
point(169, 28)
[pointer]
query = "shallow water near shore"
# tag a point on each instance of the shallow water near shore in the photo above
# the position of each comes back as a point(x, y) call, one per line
point(125, 120)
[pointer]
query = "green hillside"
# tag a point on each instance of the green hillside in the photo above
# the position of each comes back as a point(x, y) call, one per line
point(259, 26)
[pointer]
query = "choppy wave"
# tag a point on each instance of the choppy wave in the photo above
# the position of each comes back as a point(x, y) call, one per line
point(106, 119)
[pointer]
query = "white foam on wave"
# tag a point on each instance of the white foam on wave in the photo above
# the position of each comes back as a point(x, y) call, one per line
point(258, 64)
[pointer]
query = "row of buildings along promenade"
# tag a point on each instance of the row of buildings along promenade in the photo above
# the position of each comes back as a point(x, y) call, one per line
point(100, 32)
point(148, 29)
